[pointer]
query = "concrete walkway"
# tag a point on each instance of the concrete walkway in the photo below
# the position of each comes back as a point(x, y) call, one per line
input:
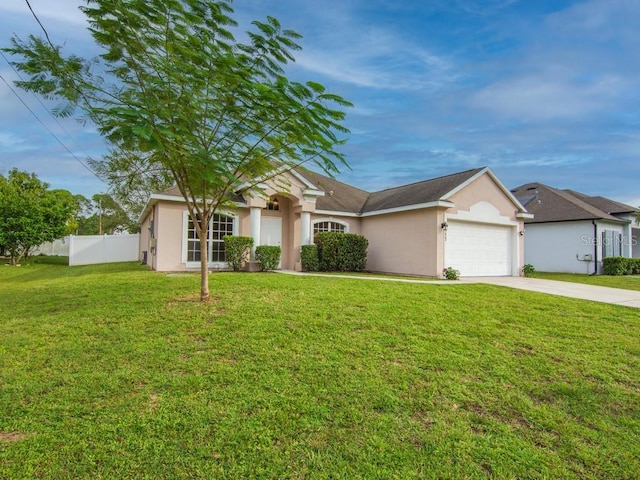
point(614, 296)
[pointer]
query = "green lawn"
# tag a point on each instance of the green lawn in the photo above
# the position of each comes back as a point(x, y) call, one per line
point(628, 282)
point(117, 372)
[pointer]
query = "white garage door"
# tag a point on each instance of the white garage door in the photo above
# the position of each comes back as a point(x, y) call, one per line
point(478, 249)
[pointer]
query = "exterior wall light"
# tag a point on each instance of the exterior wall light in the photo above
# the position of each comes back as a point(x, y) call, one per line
point(521, 233)
point(444, 226)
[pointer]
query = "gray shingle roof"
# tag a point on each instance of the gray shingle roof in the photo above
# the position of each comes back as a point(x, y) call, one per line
point(550, 204)
point(605, 204)
point(417, 193)
point(340, 197)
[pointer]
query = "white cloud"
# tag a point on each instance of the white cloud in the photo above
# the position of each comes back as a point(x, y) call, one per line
point(549, 95)
point(61, 11)
point(13, 142)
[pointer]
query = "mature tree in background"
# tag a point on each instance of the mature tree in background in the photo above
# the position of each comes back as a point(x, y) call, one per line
point(105, 216)
point(207, 110)
point(133, 177)
point(31, 214)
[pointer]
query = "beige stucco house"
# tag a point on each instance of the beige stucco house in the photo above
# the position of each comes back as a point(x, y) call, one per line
point(467, 220)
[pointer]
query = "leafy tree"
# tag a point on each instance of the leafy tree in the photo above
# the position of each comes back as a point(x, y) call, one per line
point(31, 214)
point(132, 177)
point(106, 218)
point(208, 111)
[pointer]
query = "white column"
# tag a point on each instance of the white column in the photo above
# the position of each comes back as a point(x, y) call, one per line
point(305, 236)
point(256, 215)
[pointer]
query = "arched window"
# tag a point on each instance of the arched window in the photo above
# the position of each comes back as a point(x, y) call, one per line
point(329, 226)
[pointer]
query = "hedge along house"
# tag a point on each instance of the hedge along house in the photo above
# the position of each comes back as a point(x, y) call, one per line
point(467, 220)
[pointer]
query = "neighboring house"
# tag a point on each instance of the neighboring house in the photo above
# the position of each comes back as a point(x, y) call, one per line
point(572, 232)
point(468, 221)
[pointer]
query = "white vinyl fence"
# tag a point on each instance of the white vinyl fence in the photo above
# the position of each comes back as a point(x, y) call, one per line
point(57, 248)
point(90, 249)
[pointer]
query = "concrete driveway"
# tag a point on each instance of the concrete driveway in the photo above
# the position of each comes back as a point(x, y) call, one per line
point(615, 296)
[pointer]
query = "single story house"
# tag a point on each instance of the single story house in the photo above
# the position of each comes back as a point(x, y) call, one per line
point(572, 232)
point(467, 220)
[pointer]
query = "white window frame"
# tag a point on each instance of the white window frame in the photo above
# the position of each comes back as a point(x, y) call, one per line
point(611, 243)
point(185, 240)
point(330, 220)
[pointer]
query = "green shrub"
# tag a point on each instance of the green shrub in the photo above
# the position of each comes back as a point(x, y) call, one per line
point(268, 256)
point(616, 266)
point(353, 252)
point(343, 252)
point(328, 250)
point(528, 270)
point(634, 266)
point(451, 273)
point(237, 250)
point(309, 258)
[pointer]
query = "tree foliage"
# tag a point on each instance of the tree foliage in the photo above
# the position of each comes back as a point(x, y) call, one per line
point(206, 110)
point(133, 177)
point(31, 214)
point(105, 216)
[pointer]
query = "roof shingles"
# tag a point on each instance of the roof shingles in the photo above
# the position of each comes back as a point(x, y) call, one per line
point(340, 197)
point(549, 204)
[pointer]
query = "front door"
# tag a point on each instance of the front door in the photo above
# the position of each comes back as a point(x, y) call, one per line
point(271, 233)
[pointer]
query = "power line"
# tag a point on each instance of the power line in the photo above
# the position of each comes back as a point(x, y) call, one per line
point(80, 147)
point(44, 106)
point(39, 23)
point(48, 129)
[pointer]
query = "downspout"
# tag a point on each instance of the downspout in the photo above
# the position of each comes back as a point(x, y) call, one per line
point(595, 247)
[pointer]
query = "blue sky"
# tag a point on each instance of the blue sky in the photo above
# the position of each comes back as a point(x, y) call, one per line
point(537, 90)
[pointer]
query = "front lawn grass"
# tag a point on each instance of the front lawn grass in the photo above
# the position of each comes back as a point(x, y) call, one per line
point(116, 372)
point(627, 282)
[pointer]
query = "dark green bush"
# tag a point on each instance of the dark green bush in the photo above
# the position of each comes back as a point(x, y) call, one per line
point(309, 258)
point(634, 266)
point(268, 256)
point(237, 250)
point(344, 252)
point(353, 252)
point(528, 270)
point(616, 266)
point(328, 250)
point(451, 273)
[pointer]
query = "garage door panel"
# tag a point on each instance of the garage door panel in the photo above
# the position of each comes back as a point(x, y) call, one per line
point(479, 249)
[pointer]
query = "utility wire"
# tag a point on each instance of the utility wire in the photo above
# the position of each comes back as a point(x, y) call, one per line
point(48, 129)
point(57, 139)
point(80, 147)
point(39, 23)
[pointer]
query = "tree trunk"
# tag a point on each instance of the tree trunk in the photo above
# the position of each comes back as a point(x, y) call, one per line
point(204, 256)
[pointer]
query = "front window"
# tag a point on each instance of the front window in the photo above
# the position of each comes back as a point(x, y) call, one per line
point(611, 244)
point(193, 243)
point(329, 226)
point(273, 204)
point(222, 225)
point(219, 226)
